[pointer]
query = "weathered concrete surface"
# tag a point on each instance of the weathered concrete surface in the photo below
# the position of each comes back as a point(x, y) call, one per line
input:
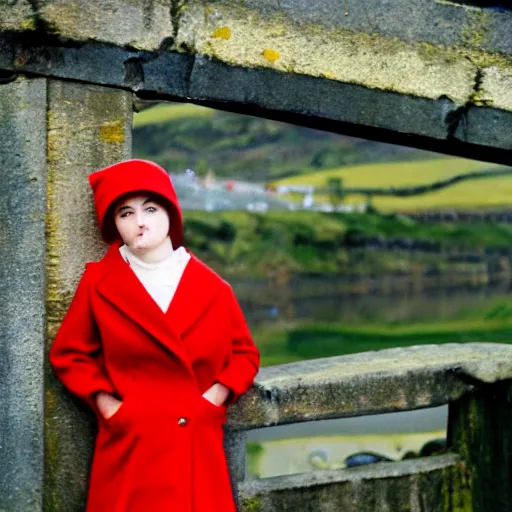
point(89, 127)
point(142, 24)
point(235, 446)
point(17, 16)
point(436, 484)
point(439, 22)
point(371, 382)
point(149, 23)
point(22, 292)
point(252, 39)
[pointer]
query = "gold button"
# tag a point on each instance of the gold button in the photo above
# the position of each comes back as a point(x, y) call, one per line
point(182, 422)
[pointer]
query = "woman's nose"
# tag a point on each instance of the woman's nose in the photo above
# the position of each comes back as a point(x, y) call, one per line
point(140, 219)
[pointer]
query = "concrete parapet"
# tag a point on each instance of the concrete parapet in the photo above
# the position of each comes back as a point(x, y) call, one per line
point(390, 380)
point(474, 379)
point(429, 484)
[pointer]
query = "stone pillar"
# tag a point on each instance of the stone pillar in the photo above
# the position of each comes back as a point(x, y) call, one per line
point(235, 446)
point(479, 429)
point(89, 127)
point(22, 292)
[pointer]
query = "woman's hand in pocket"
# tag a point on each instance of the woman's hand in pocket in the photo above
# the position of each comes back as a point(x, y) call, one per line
point(217, 394)
point(107, 404)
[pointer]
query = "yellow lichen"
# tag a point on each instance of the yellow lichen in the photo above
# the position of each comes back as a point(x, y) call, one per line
point(112, 132)
point(222, 33)
point(271, 55)
point(28, 24)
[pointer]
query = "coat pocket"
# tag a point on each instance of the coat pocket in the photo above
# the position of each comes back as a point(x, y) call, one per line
point(118, 418)
point(212, 410)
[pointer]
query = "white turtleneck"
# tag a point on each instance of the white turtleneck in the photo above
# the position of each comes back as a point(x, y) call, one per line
point(160, 279)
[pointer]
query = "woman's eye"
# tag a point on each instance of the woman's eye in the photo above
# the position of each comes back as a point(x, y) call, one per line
point(151, 209)
point(125, 214)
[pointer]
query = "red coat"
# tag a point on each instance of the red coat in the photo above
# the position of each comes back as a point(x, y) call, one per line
point(163, 449)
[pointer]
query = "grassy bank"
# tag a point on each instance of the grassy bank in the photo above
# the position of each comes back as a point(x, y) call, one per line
point(285, 344)
point(257, 245)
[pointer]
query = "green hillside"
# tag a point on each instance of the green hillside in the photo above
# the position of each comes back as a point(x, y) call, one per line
point(181, 136)
point(166, 112)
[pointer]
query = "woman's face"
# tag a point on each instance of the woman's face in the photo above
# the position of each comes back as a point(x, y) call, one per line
point(142, 223)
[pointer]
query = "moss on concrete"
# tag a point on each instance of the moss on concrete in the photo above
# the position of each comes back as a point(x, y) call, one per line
point(17, 16)
point(252, 504)
point(477, 26)
point(456, 489)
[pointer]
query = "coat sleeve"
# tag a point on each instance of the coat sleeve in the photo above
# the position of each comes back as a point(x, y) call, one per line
point(76, 353)
point(239, 374)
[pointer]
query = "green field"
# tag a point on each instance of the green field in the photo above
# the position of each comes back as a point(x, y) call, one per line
point(482, 193)
point(166, 112)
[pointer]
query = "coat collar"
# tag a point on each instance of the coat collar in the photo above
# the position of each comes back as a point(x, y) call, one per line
point(196, 291)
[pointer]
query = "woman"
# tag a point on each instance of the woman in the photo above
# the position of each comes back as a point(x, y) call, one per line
point(155, 342)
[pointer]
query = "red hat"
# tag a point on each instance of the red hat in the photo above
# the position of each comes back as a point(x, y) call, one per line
point(128, 177)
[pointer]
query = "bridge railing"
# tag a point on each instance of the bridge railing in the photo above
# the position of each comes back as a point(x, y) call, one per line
point(474, 379)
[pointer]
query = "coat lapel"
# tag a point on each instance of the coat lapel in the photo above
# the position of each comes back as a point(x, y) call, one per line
point(195, 293)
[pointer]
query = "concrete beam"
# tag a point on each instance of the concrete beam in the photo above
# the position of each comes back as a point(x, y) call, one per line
point(476, 131)
point(22, 292)
point(436, 75)
point(391, 380)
